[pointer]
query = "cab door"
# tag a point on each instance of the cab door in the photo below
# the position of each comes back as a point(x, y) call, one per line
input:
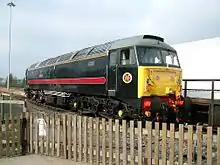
point(112, 73)
point(122, 66)
point(127, 74)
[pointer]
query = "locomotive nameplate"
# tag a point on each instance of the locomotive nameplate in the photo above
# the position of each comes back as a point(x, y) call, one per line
point(127, 77)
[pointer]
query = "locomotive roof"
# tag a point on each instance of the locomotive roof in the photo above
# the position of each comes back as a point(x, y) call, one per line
point(141, 40)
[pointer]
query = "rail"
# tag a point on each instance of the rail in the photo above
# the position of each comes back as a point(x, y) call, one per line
point(212, 90)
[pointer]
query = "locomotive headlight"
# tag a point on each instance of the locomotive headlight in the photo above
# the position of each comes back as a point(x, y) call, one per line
point(75, 104)
point(120, 113)
point(147, 113)
point(169, 90)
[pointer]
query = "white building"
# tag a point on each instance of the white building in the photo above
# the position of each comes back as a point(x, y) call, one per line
point(200, 60)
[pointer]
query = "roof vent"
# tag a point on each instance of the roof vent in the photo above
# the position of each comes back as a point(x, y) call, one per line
point(153, 37)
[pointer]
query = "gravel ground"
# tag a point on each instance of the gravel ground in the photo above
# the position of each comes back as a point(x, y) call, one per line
point(36, 159)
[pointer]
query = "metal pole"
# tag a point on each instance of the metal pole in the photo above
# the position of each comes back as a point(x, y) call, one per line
point(212, 103)
point(2, 108)
point(185, 88)
point(2, 112)
point(11, 4)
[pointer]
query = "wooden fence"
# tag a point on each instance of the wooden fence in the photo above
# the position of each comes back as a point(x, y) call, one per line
point(13, 125)
point(98, 141)
point(10, 136)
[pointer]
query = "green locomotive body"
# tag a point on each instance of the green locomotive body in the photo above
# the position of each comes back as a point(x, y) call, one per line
point(127, 78)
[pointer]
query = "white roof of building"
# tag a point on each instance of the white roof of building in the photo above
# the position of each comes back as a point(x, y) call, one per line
point(200, 60)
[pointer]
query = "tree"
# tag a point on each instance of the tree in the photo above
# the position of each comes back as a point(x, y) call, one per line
point(2, 81)
point(15, 82)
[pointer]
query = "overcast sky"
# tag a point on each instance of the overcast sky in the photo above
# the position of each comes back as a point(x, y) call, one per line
point(43, 29)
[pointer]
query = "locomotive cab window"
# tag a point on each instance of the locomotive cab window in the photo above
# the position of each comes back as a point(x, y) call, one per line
point(127, 57)
point(113, 57)
point(157, 56)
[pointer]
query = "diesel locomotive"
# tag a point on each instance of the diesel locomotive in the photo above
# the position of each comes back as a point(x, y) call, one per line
point(139, 77)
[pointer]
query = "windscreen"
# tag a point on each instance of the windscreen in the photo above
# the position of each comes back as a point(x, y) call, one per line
point(157, 57)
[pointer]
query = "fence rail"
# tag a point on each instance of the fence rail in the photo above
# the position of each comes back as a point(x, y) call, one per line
point(212, 115)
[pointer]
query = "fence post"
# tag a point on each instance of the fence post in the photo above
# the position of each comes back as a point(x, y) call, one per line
point(90, 140)
point(103, 141)
point(36, 133)
point(31, 132)
point(10, 105)
point(185, 88)
point(190, 144)
point(79, 123)
point(181, 139)
point(164, 143)
point(74, 138)
point(7, 134)
point(117, 142)
point(124, 132)
point(53, 123)
point(140, 155)
point(156, 143)
point(64, 136)
point(85, 139)
point(198, 155)
point(110, 141)
point(212, 104)
point(218, 145)
point(172, 144)
point(41, 134)
point(132, 134)
point(2, 109)
point(149, 141)
point(58, 134)
point(97, 142)
point(48, 135)
point(69, 134)
point(1, 136)
point(209, 145)
point(23, 141)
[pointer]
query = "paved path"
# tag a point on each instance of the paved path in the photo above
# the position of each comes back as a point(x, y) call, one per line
point(16, 91)
point(36, 160)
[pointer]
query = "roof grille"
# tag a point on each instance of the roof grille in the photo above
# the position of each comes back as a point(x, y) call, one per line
point(153, 37)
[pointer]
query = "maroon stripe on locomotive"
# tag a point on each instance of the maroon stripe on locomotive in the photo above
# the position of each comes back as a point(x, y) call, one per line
point(83, 80)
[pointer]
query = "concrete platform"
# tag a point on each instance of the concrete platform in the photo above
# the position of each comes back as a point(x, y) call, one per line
point(36, 160)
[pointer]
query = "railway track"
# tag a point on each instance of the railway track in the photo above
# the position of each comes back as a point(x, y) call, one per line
point(48, 109)
point(36, 106)
point(31, 104)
